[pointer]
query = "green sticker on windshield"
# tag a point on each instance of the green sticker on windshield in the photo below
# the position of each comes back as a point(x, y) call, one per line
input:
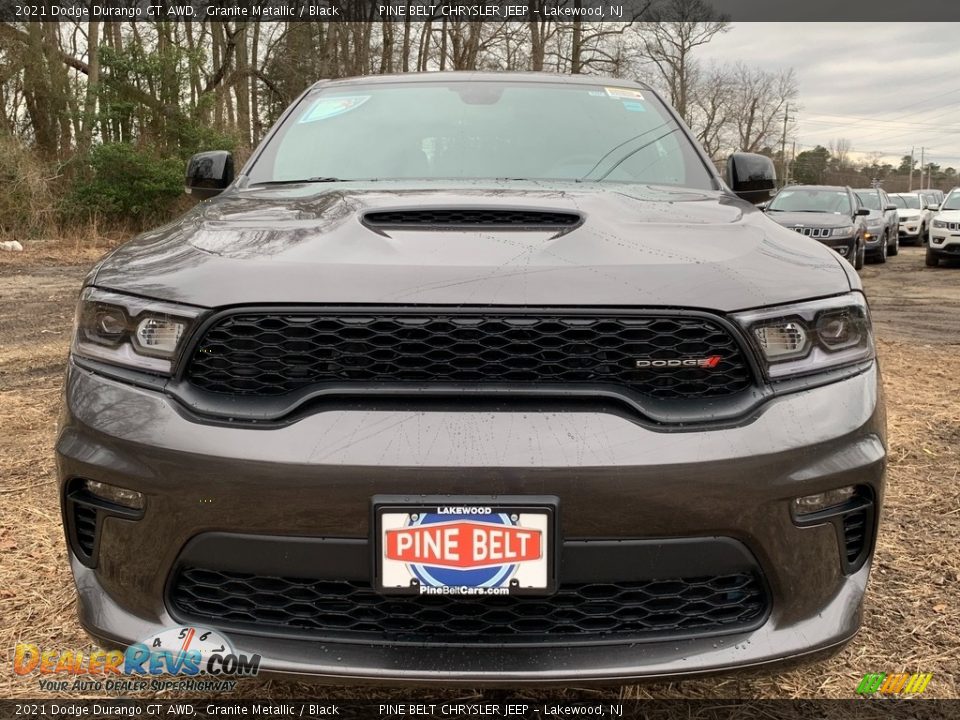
point(326, 108)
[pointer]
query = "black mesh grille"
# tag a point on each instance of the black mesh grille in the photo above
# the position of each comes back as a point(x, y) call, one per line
point(532, 219)
point(854, 534)
point(350, 609)
point(85, 526)
point(273, 353)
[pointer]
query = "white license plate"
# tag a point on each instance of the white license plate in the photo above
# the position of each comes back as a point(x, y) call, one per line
point(455, 548)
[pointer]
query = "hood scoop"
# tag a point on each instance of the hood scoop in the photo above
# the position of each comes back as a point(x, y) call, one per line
point(471, 219)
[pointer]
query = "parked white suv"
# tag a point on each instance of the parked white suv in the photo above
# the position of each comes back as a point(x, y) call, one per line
point(945, 230)
point(914, 212)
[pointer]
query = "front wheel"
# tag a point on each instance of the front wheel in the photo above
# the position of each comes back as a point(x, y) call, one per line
point(861, 251)
point(932, 259)
point(895, 250)
point(884, 250)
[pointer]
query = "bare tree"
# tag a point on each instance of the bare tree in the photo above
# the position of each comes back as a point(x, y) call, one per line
point(676, 28)
point(840, 153)
point(760, 102)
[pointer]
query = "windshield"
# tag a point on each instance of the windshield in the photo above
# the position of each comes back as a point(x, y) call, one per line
point(812, 200)
point(481, 130)
point(870, 200)
point(951, 202)
point(906, 201)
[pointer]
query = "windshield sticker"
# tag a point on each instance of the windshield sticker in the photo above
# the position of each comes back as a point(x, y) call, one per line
point(326, 108)
point(633, 106)
point(624, 93)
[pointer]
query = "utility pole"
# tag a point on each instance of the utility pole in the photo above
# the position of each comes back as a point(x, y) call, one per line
point(910, 185)
point(921, 167)
point(793, 160)
point(783, 145)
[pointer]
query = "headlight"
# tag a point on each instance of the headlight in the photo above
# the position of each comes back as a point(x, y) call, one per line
point(130, 331)
point(843, 231)
point(811, 337)
point(939, 224)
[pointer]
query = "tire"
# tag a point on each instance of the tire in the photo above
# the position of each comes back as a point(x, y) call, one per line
point(932, 259)
point(884, 249)
point(895, 250)
point(861, 252)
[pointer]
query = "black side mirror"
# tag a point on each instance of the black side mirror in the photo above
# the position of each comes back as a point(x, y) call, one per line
point(209, 173)
point(887, 208)
point(752, 177)
point(862, 211)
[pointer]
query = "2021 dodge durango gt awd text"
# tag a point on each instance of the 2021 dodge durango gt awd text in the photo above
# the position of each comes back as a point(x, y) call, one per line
point(481, 379)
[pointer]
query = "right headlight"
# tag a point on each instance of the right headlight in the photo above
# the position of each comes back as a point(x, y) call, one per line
point(130, 331)
point(811, 337)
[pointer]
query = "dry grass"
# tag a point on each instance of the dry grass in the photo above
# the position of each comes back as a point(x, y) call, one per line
point(912, 618)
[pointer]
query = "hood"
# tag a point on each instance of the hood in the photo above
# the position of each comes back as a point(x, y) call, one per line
point(809, 219)
point(908, 213)
point(948, 216)
point(635, 246)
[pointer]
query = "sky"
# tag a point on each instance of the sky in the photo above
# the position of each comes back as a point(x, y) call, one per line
point(886, 87)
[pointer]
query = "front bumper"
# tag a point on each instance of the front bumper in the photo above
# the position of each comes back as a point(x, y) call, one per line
point(873, 245)
point(616, 480)
point(910, 229)
point(845, 247)
point(944, 242)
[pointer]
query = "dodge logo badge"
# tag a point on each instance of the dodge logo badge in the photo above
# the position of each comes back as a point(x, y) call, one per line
point(709, 362)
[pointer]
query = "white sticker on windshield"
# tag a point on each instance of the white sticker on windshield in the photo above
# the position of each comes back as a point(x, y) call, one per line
point(622, 93)
point(326, 108)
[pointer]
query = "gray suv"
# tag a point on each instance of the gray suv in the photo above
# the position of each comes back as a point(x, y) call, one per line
point(883, 224)
point(475, 379)
point(832, 214)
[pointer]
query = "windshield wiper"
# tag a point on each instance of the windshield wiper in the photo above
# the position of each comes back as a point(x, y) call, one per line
point(301, 182)
point(630, 154)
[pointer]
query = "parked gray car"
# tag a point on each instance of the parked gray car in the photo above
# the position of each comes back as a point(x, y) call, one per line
point(831, 214)
point(883, 224)
point(475, 379)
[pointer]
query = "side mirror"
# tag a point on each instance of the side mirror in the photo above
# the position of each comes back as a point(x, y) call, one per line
point(862, 211)
point(752, 177)
point(887, 208)
point(763, 206)
point(209, 173)
point(935, 208)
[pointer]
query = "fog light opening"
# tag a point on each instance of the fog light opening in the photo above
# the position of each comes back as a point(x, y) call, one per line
point(114, 494)
point(809, 504)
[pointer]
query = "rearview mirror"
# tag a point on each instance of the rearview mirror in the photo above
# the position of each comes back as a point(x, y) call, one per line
point(862, 211)
point(751, 176)
point(209, 173)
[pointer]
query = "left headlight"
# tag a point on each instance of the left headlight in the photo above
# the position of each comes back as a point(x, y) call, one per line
point(843, 231)
point(811, 337)
point(130, 331)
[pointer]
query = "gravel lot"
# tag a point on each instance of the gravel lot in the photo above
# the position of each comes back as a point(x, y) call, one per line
point(912, 620)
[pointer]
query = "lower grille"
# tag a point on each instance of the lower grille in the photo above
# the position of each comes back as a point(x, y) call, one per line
point(85, 527)
point(576, 613)
point(854, 534)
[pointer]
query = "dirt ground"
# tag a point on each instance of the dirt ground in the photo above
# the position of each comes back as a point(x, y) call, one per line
point(912, 617)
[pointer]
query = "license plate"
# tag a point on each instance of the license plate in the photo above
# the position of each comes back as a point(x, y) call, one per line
point(465, 546)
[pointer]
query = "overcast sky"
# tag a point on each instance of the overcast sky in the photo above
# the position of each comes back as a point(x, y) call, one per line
point(884, 86)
